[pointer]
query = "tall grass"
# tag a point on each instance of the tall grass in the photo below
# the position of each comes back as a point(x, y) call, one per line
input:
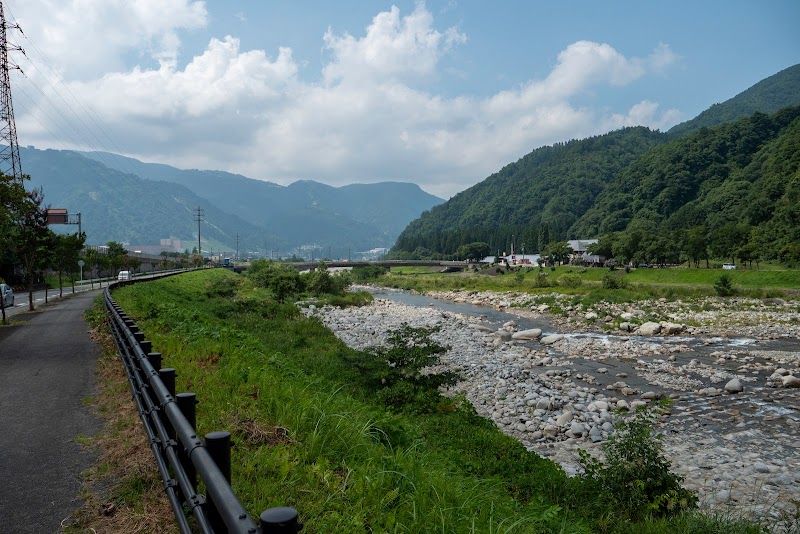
point(310, 434)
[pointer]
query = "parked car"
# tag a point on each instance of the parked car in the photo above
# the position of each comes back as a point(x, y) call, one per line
point(123, 276)
point(7, 295)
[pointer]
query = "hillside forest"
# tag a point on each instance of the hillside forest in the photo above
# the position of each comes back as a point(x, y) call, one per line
point(728, 192)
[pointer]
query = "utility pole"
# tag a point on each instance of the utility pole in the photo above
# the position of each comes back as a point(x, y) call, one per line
point(9, 151)
point(198, 216)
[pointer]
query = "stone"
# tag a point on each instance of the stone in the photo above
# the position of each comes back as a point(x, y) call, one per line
point(533, 333)
point(503, 335)
point(734, 386)
point(623, 405)
point(626, 327)
point(550, 430)
point(480, 327)
point(576, 429)
point(760, 467)
point(671, 328)
point(510, 324)
point(649, 395)
point(650, 329)
point(791, 381)
point(543, 404)
point(591, 316)
point(564, 418)
point(551, 339)
point(627, 316)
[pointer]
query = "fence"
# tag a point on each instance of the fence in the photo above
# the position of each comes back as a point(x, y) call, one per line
point(181, 456)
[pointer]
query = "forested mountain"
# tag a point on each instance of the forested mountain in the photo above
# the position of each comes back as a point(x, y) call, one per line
point(123, 207)
point(739, 178)
point(538, 197)
point(126, 200)
point(358, 216)
point(767, 96)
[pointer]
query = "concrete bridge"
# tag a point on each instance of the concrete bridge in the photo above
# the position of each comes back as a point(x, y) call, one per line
point(447, 266)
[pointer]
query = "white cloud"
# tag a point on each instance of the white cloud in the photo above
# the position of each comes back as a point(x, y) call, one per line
point(369, 118)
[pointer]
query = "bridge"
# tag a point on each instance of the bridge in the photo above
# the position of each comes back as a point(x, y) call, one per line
point(448, 266)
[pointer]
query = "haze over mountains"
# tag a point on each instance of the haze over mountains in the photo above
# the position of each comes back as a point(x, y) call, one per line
point(123, 199)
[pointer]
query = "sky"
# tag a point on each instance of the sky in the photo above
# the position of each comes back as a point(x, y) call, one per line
point(440, 93)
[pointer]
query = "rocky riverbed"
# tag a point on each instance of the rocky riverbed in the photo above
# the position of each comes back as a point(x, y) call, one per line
point(731, 368)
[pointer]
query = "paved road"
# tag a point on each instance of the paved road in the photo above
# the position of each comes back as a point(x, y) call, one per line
point(46, 370)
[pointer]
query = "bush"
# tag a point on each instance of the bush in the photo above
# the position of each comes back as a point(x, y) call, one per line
point(635, 475)
point(366, 273)
point(611, 281)
point(541, 280)
point(570, 280)
point(282, 280)
point(724, 286)
point(400, 370)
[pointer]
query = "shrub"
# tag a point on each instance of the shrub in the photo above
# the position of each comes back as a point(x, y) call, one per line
point(611, 281)
point(401, 369)
point(541, 280)
point(635, 475)
point(724, 286)
point(366, 273)
point(570, 280)
point(282, 280)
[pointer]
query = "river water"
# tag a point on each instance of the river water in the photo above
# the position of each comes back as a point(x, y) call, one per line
point(703, 361)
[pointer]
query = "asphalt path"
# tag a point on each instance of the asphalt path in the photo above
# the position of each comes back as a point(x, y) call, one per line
point(47, 366)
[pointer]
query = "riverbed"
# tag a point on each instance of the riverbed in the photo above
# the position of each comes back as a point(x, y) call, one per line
point(560, 383)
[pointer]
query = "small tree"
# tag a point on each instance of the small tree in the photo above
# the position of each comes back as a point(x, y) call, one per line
point(724, 286)
point(66, 251)
point(32, 237)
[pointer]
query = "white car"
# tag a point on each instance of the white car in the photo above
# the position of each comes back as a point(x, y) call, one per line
point(7, 295)
point(123, 276)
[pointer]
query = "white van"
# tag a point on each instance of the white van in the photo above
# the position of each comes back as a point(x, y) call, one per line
point(124, 276)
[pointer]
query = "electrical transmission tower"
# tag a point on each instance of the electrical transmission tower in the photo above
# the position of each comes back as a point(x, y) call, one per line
point(9, 148)
point(198, 216)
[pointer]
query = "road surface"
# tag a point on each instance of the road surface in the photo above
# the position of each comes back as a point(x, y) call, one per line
point(47, 370)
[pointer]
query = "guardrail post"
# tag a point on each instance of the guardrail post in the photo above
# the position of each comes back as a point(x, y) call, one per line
point(280, 520)
point(168, 378)
point(187, 403)
point(218, 445)
point(155, 360)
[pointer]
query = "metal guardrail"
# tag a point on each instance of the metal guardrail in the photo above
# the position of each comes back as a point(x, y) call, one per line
point(181, 456)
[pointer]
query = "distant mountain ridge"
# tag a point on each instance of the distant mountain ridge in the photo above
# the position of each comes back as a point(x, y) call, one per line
point(304, 218)
point(767, 96)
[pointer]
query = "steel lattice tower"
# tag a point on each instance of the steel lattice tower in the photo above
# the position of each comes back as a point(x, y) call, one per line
point(9, 147)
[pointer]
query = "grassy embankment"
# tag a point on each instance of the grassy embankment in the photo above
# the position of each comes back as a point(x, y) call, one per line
point(593, 282)
point(310, 432)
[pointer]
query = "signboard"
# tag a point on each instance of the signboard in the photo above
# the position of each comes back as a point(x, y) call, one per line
point(57, 216)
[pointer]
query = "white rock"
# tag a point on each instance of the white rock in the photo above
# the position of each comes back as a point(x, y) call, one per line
point(564, 418)
point(791, 381)
point(650, 329)
point(552, 338)
point(533, 333)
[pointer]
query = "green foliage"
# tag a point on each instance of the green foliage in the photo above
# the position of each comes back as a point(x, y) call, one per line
point(541, 280)
point(724, 286)
point(614, 281)
point(570, 280)
point(368, 273)
point(400, 370)
point(535, 199)
point(321, 282)
point(283, 281)
point(636, 476)
point(474, 251)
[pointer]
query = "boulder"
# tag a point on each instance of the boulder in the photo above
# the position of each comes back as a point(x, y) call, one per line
point(480, 327)
point(552, 338)
point(533, 333)
point(791, 381)
point(627, 316)
point(650, 329)
point(591, 316)
point(734, 386)
point(671, 328)
point(564, 418)
point(502, 334)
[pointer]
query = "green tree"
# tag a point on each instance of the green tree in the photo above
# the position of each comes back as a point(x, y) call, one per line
point(32, 237)
point(117, 256)
point(66, 252)
point(697, 245)
point(727, 239)
point(474, 251)
point(558, 252)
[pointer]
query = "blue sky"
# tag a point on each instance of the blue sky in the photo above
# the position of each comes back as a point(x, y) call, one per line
point(441, 93)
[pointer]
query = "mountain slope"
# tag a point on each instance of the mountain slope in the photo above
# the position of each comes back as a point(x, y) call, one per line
point(358, 216)
point(553, 184)
point(122, 207)
point(767, 96)
point(745, 173)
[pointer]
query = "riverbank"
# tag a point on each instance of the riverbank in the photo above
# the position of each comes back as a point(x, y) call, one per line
point(733, 427)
